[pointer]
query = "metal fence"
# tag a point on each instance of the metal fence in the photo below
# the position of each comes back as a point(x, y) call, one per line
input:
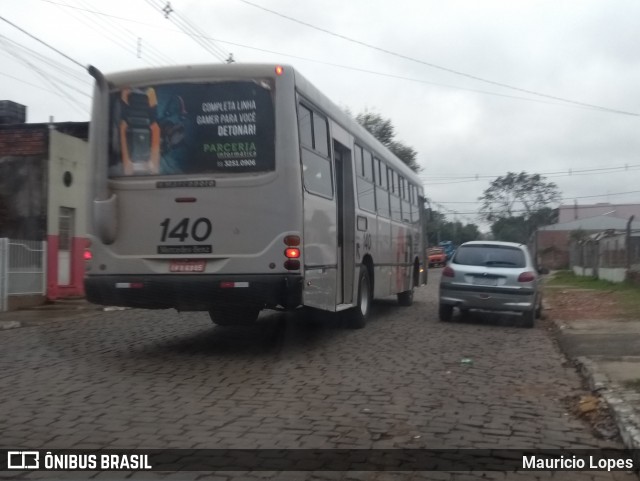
point(23, 269)
point(611, 255)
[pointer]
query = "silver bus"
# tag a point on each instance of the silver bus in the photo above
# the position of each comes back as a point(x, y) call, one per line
point(235, 188)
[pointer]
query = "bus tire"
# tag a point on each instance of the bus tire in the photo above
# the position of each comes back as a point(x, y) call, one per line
point(405, 298)
point(357, 316)
point(234, 315)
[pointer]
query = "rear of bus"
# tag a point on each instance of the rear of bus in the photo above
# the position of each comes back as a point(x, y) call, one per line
point(196, 191)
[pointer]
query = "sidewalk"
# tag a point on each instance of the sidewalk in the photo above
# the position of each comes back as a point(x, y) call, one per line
point(61, 310)
point(607, 352)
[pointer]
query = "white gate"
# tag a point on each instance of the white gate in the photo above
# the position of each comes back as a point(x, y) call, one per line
point(23, 269)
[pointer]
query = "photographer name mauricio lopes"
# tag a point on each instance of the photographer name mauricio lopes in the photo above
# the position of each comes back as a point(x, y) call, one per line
point(575, 462)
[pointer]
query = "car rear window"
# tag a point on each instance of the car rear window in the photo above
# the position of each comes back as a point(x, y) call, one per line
point(490, 255)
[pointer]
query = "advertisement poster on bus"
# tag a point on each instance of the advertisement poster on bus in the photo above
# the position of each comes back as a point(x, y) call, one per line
point(192, 128)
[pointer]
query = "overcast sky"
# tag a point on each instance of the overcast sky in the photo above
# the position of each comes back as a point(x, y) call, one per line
point(579, 55)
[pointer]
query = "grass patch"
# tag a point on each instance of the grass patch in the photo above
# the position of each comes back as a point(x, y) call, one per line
point(632, 384)
point(627, 293)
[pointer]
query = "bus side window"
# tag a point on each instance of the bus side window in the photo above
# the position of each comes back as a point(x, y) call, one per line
point(364, 181)
point(320, 137)
point(357, 152)
point(305, 127)
point(382, 196)
point(316, 164)
point(368, 166)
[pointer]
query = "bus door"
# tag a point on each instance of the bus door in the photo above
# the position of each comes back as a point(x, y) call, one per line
point(345, 223)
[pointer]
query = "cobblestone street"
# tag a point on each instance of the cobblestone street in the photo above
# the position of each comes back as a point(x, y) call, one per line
point(161, 379)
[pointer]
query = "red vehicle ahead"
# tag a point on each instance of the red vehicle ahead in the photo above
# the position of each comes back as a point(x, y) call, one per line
point(437, 256)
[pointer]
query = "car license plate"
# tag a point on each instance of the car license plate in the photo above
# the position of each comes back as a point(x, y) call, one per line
point(485, 281)
point(187, 265)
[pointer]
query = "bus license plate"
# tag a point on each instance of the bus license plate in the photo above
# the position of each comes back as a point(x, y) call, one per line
point(187, 265)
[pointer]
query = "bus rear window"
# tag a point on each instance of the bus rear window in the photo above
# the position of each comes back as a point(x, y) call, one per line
point(188, 128)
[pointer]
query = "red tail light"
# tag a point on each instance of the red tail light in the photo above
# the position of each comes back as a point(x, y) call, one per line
point(292, 264)
point(527, 277)
point(87, 255)
point(292, 252)
point(292, 240)
point(448, 272)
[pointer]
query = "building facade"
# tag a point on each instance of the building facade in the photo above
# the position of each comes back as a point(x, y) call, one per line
point(43, 181)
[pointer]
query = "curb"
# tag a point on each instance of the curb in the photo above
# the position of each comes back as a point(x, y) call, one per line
point(9, 325)
point(618, 399)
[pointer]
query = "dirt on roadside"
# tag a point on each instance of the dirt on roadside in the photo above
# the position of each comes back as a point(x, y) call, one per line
point(571, 304)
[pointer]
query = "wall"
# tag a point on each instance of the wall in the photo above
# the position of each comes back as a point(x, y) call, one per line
point(552, 249)
point(612, 274)
point(67, 209)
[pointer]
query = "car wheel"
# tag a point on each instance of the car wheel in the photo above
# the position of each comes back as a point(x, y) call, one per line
point(539, 310)
point(528, 318)
point(357, 317)
point(445, 312)
point(226, 315)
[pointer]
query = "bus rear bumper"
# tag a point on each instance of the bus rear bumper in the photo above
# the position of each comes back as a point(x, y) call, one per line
point(194, 292)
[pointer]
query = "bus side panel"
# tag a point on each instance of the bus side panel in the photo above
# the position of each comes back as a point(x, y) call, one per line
point(320, 258)
point(401, 251)
point(383, 258)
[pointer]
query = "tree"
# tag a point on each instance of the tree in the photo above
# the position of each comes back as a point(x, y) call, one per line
point(511, 229)
point(439, 229)
point(383, 130)
point(517, 204)
point(527, 193)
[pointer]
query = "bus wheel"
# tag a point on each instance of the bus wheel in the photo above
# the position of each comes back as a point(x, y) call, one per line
point(357, 317)
point(234, 315)
point(405, 298)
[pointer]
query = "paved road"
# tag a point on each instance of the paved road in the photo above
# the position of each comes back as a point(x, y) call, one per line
point(145, 379)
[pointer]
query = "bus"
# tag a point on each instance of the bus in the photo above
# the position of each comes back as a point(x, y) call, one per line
point(235, 188)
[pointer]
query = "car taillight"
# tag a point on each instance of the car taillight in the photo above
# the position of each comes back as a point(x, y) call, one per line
point(87, 255)
point(527, 277)
point(448, 272)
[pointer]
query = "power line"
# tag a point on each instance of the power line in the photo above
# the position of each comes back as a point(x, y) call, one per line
point(64, 69)
point(320, 62)
point(29, 83)
point(153, 53)
point(568, 172)
point(73, 102)
point(43, 43)
point(98, 27)
point(399, 77)
point(190, 30)
point(439, 67)
point(564, 173)
point(561, 199)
